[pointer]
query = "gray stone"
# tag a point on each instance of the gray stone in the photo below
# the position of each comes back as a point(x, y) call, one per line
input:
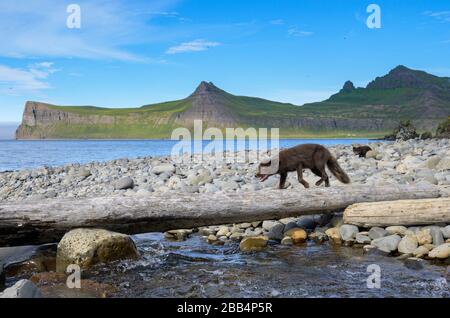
point(267, 225)
point(22, 289)
point(123, 184)
point(388, 243)
point(164, 168)
point(446, 231)
point(348, 232)
point(436, 234)
point(306, 222)
point(408, 244)
point(377, 232)
point(362, 239)
point(276, 232)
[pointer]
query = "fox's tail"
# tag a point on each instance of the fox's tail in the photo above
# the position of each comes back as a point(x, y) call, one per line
point(337, 171)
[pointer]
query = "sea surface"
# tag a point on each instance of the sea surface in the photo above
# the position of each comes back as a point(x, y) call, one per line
point(18, 154)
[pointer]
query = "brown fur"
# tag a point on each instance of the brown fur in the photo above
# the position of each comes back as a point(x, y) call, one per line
point(307, 156)
point(361, 151)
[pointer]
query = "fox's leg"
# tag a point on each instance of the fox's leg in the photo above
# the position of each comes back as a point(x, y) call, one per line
point(300, 177)
point(317, 173)
point(283, 177)
point(324, 176)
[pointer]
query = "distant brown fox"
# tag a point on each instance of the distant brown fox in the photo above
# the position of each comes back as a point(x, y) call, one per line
point(361, 151)
point(307, 156)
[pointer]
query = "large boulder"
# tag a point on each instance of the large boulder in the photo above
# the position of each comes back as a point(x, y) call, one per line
point(22, 289)
point(87, 247)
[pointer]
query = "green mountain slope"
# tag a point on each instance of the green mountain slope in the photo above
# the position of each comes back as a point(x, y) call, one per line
point(372, 111)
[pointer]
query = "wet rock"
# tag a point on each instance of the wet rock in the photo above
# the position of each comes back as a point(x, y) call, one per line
point(287, 241)
point(318, 237)
point(123, 184)
point(236, 236)
point(362, 239)
point(223, 231)
point(212, 238)
point(441, 252)
point(306, 222)
point(348, 232)
point(377, 232)
point(414, 263)
point(87, 247)
point(388, 243)
point(424, 237)
point(276, 232)
point(298, 235)
point(267, 225)
point(408, 244)
point(177, 235)
point(400, 230)
point(334, 234)
point(253, 243)
point(22, 289)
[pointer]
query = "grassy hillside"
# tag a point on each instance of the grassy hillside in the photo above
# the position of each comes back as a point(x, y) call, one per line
point(353, 112)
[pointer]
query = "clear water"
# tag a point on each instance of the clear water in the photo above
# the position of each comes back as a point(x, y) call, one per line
point(195, 268)
point(15, 155)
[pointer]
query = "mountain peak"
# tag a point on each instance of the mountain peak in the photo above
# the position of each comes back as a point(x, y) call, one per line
point(205, 88)
point(404, 77)
point(348, 87)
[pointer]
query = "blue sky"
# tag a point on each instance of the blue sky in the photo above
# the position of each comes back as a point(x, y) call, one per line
point(131, 53)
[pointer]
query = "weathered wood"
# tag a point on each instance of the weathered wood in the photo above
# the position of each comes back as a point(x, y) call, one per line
point(28, 222)
point(402, 212)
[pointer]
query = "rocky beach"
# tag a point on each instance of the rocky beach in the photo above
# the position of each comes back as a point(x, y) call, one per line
point(388, 163)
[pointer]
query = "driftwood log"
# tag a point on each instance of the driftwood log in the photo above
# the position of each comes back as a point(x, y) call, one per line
point(28, 222)
point(402, 212)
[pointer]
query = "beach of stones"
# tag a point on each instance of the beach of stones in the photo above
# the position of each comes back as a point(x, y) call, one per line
point(401, 162)
point(405, 162)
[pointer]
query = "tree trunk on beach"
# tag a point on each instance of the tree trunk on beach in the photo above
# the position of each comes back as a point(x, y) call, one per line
point(403, 212)
point(30, 222)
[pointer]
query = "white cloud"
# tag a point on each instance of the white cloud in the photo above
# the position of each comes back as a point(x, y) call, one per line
point(277, 22)
point(14, 81)
point(192, 46)
point(443, 16)
point(109, 29)
point(294, 31)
